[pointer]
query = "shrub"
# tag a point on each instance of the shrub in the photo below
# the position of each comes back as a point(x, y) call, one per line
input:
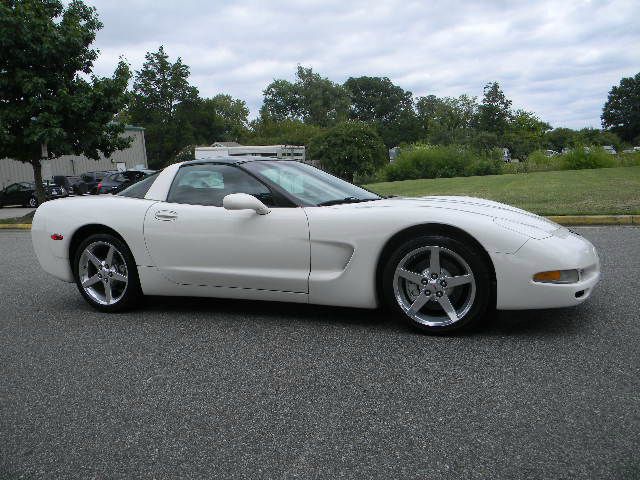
point(440, 161)
point(349, 149)
point(580, 158)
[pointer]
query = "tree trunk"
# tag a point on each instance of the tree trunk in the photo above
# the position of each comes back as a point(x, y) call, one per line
point(37, 176)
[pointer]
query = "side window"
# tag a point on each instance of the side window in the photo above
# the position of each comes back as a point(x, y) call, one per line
point(208, 184)
point(13, 188)
point(139, 189)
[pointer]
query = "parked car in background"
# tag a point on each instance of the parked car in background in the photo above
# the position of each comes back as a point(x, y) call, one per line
point(609, 149)
point(118, 181)
point(24, 193)
point(73, 184)
point(92, 179)
point(551, 153)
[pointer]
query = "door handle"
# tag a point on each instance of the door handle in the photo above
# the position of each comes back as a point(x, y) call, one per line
point(166, 215)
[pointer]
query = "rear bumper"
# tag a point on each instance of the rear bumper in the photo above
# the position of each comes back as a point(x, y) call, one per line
point(52, 262)
point(516, 289)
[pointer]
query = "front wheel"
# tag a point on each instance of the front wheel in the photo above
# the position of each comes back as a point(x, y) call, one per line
point(33, 202)
point(106, 273)
point(437, 283)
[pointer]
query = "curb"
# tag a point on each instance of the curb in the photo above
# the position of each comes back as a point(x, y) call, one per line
point(15, 226)
point(567, 220)
point(595, 219)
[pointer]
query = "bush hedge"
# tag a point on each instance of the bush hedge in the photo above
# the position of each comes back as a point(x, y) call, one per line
point(441, 161)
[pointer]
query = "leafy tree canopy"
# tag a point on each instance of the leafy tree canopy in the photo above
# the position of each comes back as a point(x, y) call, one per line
point(495, 111)
point(159, 90)
point(311, 98)
point(220, 118)
point(350, 148)
point(621, 112)
point(447, 120)
point(50, 103)
point(525, 133)
point(376, 100)
point(266, 131)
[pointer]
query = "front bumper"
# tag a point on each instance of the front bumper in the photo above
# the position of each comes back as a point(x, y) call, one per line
point(516, 289)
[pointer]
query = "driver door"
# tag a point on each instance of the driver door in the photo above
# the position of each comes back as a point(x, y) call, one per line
point(193, 240)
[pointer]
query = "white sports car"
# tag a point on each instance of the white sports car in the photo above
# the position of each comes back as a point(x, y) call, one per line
point(265, 229)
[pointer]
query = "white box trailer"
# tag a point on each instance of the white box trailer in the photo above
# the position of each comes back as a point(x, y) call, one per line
point(293, 152)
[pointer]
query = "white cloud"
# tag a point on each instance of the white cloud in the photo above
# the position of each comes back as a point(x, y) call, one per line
point(556, 58)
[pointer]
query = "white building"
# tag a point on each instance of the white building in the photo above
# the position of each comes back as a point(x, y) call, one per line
point(134, 156)
point(231, 149)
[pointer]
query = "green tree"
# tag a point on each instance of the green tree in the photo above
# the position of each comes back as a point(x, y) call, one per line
point(621, 112)
point(560, 138)
point(159, 90)
point(48, 108)
point(266, 131)
point(495, 111)
point(524, 134)
point(311, 98)
point(447, 121)
point(594, 136)
point(349, 148)
point(376, 100)
point(220, 118)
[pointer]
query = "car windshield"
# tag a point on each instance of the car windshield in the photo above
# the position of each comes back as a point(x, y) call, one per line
point(308, 184)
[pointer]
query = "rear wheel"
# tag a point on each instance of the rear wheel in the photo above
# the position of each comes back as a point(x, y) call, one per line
point(106, 274)
point(437, 283)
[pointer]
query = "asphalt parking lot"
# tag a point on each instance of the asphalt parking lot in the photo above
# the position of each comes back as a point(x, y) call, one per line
point(192, 388)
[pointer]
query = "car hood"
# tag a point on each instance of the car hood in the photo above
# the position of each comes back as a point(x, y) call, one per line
point(502, 214)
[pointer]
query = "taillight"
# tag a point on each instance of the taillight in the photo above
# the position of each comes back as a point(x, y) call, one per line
point(99, 186)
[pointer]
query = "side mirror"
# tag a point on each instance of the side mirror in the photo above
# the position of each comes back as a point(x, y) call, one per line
point(244, 201)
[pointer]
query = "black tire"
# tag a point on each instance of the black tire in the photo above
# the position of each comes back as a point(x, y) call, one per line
point(130, 295)
point(471, 301)
point(32, 203)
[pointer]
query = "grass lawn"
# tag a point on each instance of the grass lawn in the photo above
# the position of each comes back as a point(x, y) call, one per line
point(603, 191)
point(28, 218)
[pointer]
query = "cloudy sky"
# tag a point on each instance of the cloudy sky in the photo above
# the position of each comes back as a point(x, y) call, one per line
point(556, 58)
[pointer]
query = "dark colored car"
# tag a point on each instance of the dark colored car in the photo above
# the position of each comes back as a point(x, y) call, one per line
point(24, 193)
point(117, 182)
point(92, 179)
point(73, 184)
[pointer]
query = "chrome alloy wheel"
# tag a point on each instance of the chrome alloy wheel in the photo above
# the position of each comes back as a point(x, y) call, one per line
point(103, 273)
point(434, 286)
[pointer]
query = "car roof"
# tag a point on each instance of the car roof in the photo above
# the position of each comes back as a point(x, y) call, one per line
point(234, 160)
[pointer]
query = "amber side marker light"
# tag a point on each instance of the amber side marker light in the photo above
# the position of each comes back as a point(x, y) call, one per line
point(557, 276)
point(56, 236)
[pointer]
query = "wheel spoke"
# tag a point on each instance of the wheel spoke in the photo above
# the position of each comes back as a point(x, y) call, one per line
point(109, 259)
point(95, 260)
point(459, 280)
point(119, 277)
point(107, 292)
point(445, 303)
point(434, 261)
point(410, 276)
point(91, 281)
point(418, 303)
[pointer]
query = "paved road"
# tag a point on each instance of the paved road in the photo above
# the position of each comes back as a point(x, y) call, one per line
point(11, 212)
point(201, 389)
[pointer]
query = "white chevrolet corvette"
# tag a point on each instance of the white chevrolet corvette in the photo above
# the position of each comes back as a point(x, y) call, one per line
point(265, 229)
